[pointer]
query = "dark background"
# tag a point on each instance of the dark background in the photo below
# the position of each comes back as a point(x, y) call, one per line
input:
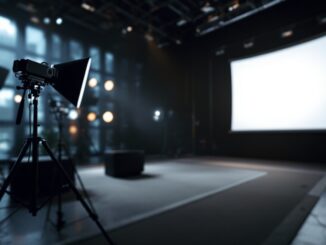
point(192, 86)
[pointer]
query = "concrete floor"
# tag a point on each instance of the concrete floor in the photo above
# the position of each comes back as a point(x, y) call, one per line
point(180, 181)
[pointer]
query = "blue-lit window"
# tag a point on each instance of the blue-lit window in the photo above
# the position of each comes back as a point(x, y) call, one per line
point(6, 141)
point(96, 58)
point(6, 60)
point(95, 140)
point(56, 47)
point(75, 50)
point(6, 104)
point(35, 41)
point(109, 62)
point(8, 32)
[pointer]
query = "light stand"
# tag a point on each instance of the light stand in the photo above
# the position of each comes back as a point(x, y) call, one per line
point(60, 113)
point(35, 86)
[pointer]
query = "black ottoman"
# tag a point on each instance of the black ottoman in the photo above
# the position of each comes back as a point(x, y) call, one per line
point(124, 163)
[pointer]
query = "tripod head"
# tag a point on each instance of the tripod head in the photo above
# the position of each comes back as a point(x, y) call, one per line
point(35, 87)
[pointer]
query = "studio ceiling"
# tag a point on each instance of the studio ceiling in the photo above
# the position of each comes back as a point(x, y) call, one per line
point(166, 22)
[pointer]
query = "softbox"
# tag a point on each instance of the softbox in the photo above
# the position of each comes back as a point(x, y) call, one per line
point(71, 79)
point(3, 76)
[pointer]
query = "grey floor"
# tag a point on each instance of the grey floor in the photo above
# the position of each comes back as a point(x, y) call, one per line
point(313, 232)
point(164, 185)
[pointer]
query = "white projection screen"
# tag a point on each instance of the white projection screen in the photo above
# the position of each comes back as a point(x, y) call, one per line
point(281, 90)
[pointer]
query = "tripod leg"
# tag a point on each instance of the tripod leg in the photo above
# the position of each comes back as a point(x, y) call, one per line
point(78, 195)
point(12, 170)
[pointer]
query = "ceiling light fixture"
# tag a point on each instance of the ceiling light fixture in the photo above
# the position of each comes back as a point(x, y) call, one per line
point(88, 7)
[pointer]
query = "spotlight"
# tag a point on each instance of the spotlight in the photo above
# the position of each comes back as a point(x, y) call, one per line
point(149, 37)
point(46, 20)
point(108, 117)
point(92, 82)
point(220, 51)
point(248, 44)
point(73, 129)
point(157, 115)
point(73, 115)
point(234, 6)
point(287, 33)
point(88, 7)
point(181, 22)
point(59, 21)
point(18, 98)
point(109, 85)
point(207, 8)
point(35, 20)
point(129, 28)
point(91, 117)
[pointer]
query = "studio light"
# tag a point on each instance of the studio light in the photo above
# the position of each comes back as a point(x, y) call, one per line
point(92, 82)
point(73, 115)
point(248, 44)
point(59, 21)
point(46, 20)
point(35, 19)
point(287, 33)
point(157, 115)
point(207, 8)
point(69, 78)
point(73, 129)
point(181, 22)
point(108, 117)
point(88, 7)
point(129, 28)
point(91, 116)
point(18, 98)
point(109, 85)
point(3, 75)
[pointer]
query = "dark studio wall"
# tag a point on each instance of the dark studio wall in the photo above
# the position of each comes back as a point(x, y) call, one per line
point(210, 76)
point(147, 78)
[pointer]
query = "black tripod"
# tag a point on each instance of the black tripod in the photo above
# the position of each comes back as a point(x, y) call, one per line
point(60, 113)
point(35, 86)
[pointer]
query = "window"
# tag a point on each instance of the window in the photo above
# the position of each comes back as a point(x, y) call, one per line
point(109, 62)
point(6, 104)
point(35, 41)
point(75, 50)
point(56, 46)
point(6, 141)
point(8, 32)
point(6, 60)
point(96, 58)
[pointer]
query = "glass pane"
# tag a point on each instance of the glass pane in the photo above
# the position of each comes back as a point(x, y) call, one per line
point(75, 50)
point(6, 141)
point(8, 32)
point(35, 40)
point(94, 140)
point(109, 62)
point(56, 47)
point(7, 104)
point(6, 60)
point(96, 57)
